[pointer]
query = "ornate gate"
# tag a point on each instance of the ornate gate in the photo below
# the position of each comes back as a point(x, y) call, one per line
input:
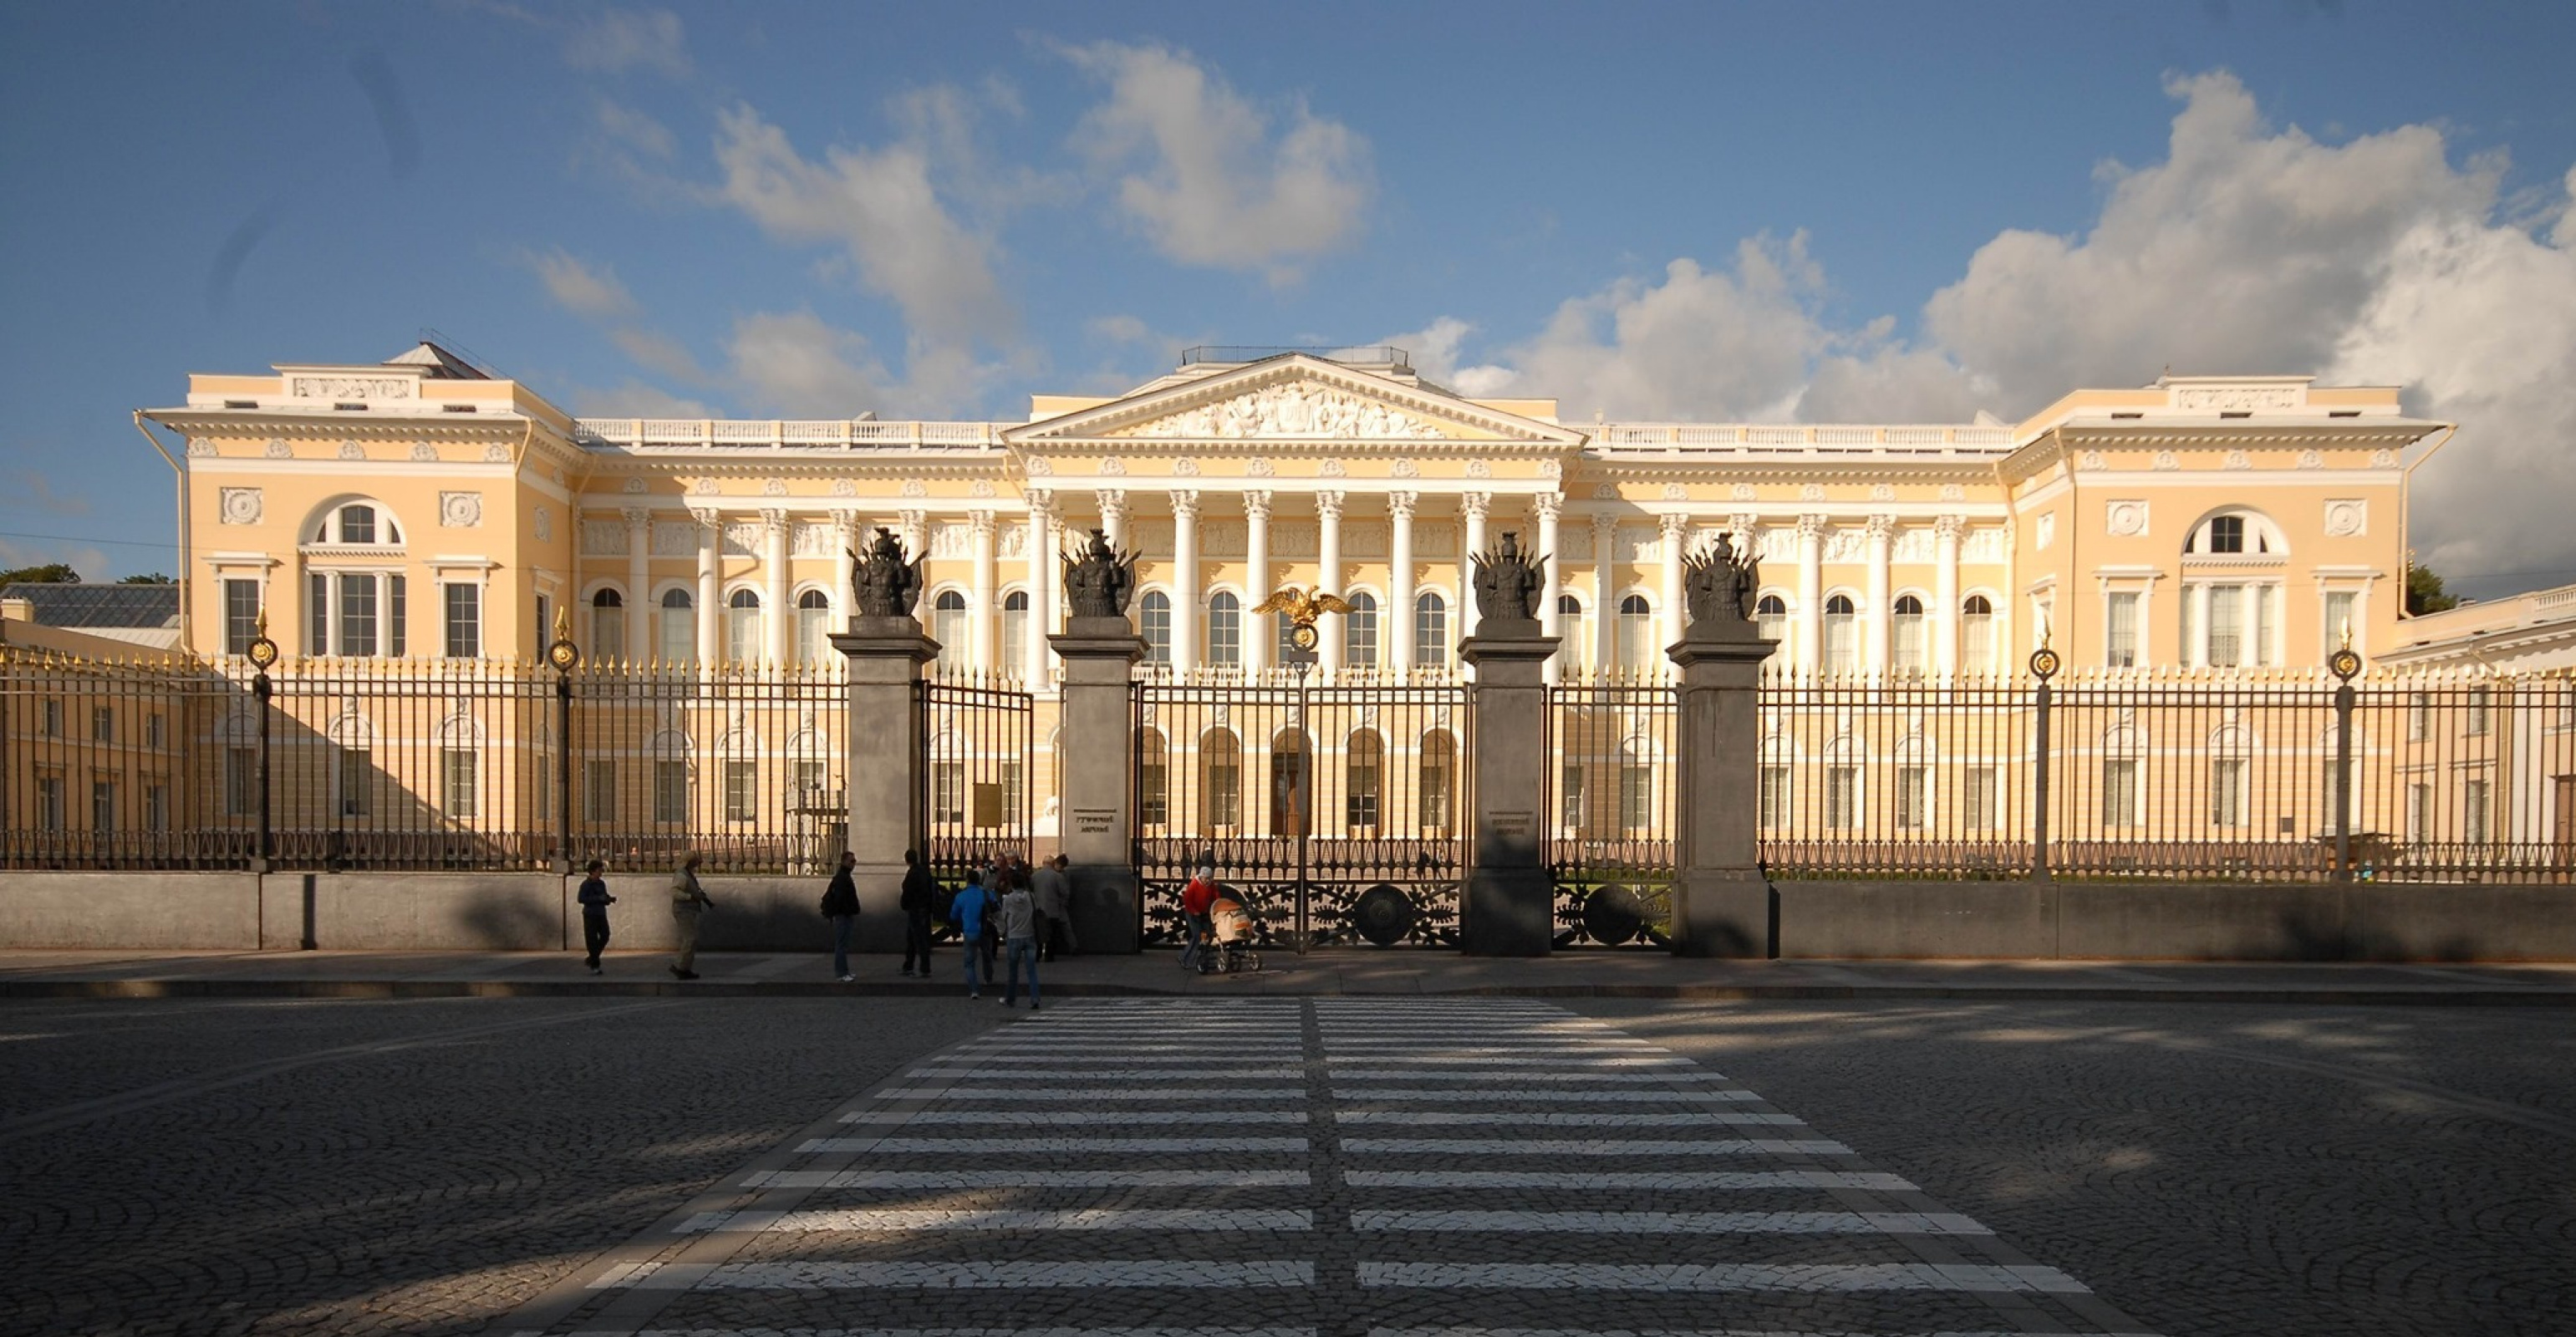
point(1612, 799)
point(1338, 813)
point(974, 775)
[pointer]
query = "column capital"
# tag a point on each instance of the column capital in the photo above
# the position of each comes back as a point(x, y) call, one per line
point(915, 521)
point(638, 516)
point(773, 519)
point(707, 517)
point(1811, 526)
point(1603, 522)
point(847, 526)
point(1329, 502)
point(1882, 526)
point(1745, 525)
point(1402, 503)
point(1547, 505)
point(982, 521)
point(1041, 503)
point(1475, 505)
point(1675, 524)
point(1185, 504)
point(1950, 526)
point(1113, 501)
point(1256, 503)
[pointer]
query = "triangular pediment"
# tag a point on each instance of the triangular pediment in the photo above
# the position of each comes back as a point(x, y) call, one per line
point(1291, 399)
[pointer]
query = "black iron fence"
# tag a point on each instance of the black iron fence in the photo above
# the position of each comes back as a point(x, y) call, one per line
point(1613, 810)
point(978, 745)
point(1337, 812)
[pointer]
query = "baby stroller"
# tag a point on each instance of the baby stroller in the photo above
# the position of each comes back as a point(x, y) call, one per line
point(1230, 930)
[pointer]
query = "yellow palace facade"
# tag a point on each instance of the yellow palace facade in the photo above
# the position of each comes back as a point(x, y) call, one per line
point(421, 509)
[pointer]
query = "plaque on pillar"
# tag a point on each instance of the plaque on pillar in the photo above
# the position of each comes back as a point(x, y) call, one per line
point(1508, 905)
point(881, 752)
point(1095, 751)
point(1723, 905)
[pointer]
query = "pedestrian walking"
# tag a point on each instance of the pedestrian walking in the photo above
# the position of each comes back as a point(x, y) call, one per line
point(1020, 944)
point(1054, 892)
point(988, 944)
point(841, 906)
point(969, 910)
point(920, 899)
point(688, 901)
point(1196, 899)
point(595, 901)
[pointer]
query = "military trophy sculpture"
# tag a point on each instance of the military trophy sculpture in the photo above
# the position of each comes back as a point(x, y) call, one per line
point(883, 583)
point(1508, 582)
point(1718, 587)
point(1099, 580)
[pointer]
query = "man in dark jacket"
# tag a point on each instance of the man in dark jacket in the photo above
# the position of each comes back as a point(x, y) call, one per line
point(920, 898)
point(841, 906)
point(595, 901)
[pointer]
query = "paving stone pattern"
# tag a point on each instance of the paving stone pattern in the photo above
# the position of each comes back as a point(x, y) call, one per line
point(1327, 1168)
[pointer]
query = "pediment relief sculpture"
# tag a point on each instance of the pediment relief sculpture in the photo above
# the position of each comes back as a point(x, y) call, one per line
point(1297, 409)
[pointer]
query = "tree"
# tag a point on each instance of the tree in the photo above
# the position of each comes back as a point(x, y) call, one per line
point(150, 578)
point(2424, 591)
point(51, 573)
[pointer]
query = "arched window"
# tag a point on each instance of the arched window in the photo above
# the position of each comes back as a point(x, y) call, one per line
point(1282, 650)
point(359, 614)
point(1153, 779)
point(1154, 621)
point(1225, 629)
point(1363, 780)
point(1573, 646)
point(607, 625)
point(948, 627)
point(1842, 635)
point(742, 627)
point(679, 627)
point(1292, 789)
point(1430, 630)
point(2236, 533)
point(1359, 632)
point(1437, 794)
point(1220, 783)
point(813, 628)
point(358, 524)
point(1015, 633)
point(1907, 651)
point(1636, 630)
point(1771, 618)
point(1977, 635)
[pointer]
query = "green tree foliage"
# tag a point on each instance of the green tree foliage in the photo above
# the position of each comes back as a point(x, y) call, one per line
point(150, 578)
point(2424, 591)
point(51, 573)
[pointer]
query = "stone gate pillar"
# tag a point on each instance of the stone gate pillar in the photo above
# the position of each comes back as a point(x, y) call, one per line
point(881, 755)
point(1507, 906)
point(1721, 901)
point(1096, 749)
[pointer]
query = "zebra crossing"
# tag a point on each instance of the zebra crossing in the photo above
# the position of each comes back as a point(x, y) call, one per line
point(1396, 1167)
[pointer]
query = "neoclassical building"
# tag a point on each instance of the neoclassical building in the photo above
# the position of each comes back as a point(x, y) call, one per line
point(423, 508)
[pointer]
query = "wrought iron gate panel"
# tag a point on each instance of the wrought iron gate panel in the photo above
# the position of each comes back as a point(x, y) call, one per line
point(1613, 805)
point(1338, 813)
point(976, 748)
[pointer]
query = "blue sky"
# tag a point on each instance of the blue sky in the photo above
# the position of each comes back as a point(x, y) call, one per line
point(1831, 212)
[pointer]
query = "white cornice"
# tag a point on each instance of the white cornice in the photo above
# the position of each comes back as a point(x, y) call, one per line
point(1091, 427)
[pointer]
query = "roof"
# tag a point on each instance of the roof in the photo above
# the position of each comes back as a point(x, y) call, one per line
point(61, 604)
point(443, 365)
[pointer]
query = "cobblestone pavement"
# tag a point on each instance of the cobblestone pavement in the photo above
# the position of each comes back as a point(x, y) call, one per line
point(1340, 1166)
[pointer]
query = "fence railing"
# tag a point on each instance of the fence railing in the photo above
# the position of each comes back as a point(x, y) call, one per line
point(1613, 809)
point(978, 744)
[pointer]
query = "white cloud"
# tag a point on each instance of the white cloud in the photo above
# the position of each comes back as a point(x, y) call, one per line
point(659, 352)
point(880, 206)
point(635, 399)
point(594, 294)
point(795, 364)
point(615, 41)
point(1215, 188)
point(635, 129)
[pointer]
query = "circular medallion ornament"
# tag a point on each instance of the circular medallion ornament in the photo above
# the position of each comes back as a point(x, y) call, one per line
point(564, 655)
point(263, 653)
point(2044, 662)
point(2345, 663)
point(1384, 914)
point(1302, 636)
point(1613, 915)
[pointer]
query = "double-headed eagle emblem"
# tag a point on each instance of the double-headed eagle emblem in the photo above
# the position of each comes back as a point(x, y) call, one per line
point(1302, 608)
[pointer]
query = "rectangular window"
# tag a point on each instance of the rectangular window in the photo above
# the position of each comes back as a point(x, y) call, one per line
point(2339, 629)
point(1911, 810)
point(1153, 789)
point(1430, 633)
point(102, 724)
point(464, 620)
point(948, 792)
point(241, 781)
point(1224, 633)
point(2419, 710)
point(2419, 812)
point(1910, 660)
point(670, 792)
point(1977, 799)
point(2226, 626)
point(1360, 794)
point(1225, 792)
point(598, 791)
point(156, 730)
point(49, 803)
point(397, 617)
point(1013, 775)
point(1775, 797)
point(102, 805)
point(2120, 630)
point(358, 615)
point(2473, 814)
point(357, 782)
point(1636, 797)
point(741, 791)
point(810, 784)
point(1015, 639)
point(2267, 620)
point(463, 790)
point(607, 633)
point(1154, 623)
point(1569, 800)
point(2227, 792)
point(545, 622)
point(51, 718)
point(1359, 638)
point(2480, 699)
point(241, 615)
point(317, 614)
point(1978, 631)
point(1842, 797)
point(2119, 792)
point(156, 806)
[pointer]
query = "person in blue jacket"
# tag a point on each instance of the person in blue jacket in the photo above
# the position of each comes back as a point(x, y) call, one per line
point(967, 912)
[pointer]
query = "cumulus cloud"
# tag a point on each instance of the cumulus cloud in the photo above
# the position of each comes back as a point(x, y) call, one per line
point(634, 129)
point(614, 41)
point(880, 206)
point(1201, 173)
point(660, 352)
point(795, 364)
point(594, 294)
point(636, 399)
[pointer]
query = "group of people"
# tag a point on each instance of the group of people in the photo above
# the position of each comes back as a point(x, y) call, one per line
point(1006, 907)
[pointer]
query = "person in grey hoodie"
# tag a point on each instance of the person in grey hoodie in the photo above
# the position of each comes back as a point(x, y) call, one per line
point(1055, 907)
point(1020, 943)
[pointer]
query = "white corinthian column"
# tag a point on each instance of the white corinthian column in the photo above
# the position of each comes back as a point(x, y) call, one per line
point(979, 613)
point(1328, 574)
point(1257, 631)
point(1676, 536)
point(1549, 505)
point(1399, 580)
point(1811, 593)
point(780, 622)
point(1041, 558)
point(1185, 581)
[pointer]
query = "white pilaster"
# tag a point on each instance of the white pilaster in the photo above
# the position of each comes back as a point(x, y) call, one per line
point(1811, 593)
point(1258, 633)
point(779, 621)
point(1328, 574)
point(1041, 558)
point(981, 604)
point(1945, 594)
point(1186, 595)
point(1605, 593)
point(1675, 536)
point(710, 617)
point(640, 608)
point(1399, 580)
point(1878, 648)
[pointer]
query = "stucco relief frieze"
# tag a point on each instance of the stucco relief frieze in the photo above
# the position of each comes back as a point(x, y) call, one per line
point(914, 487)
point(1113, 467)
point(1779, 544)
point(2346, 519)
point(675, 538)
point(1259, 466)
point(1574, 543)
point(1185, 467)
point(2090, 461)
point(742, 538)
point(2383, 459)
point(1881, 492)
point(460, 510)
point(278, 449)
point(1435, 541)
point(424, 453)
point(2165, 459)
point(200, 448)
point(2238, 397)
point(239, 505)
point(634, 485)
point(1676, 492)
point(951, 539)
point(1037, 466)
point(1913, 545)
point(1293, 538)
point(1015, 540)
point(704, 487)
point(1953, 492)
point(1363, 538)
point(2309, 459)
point(2237, 459)
point(1333, 469)
point(1221, 538)
point(542, 522)
point(351, 450)
point(496, 453)
point(603, 538)
point(2126, 519)
point(2045, 530)
point(1985, 544)
point(843, 487)
point(1480, 468)
point(1743, 492)
point(352, 388)
point(1811, 492)
point(1846, 545)
point(1297, 409)
point(812, 538)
